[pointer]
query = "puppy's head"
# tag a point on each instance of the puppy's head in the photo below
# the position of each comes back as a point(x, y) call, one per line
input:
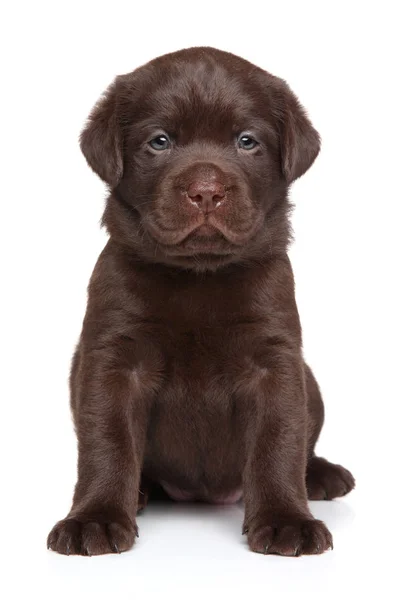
point(198, 149)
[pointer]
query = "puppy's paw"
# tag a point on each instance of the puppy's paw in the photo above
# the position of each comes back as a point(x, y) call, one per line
point(291, 537)
point(91, 537)
point(326, 481)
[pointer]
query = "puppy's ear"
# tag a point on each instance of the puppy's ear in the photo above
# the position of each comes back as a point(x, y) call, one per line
point(101, 139)
point(300, 142)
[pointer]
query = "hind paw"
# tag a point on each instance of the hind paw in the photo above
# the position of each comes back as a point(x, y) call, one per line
point(326, 481)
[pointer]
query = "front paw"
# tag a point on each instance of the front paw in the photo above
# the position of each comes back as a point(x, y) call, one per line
point(288, 536)
point(90, 536)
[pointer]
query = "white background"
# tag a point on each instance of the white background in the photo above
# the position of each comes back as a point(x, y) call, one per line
point(340, 58)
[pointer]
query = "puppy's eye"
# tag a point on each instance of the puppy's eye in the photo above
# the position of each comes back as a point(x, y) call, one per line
point(246, 142)
point(161, 142)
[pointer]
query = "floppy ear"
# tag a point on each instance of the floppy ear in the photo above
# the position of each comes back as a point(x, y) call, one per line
point(101, 139)
point(300, 142)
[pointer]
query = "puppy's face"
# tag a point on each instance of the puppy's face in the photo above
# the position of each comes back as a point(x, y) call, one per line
point(199, 148)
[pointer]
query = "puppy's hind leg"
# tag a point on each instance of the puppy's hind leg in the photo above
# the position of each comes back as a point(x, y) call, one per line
point(150, 491)
point(324, 480)
point(143, 498)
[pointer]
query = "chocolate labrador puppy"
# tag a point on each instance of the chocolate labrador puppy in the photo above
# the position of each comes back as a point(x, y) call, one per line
point(189, 372)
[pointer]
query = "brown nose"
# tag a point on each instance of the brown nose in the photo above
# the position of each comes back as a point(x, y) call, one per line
point(208, 195)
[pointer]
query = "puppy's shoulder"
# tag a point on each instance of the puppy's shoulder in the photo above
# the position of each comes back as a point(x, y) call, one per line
point(271, 286)
point(113, 276)
point(274, 274)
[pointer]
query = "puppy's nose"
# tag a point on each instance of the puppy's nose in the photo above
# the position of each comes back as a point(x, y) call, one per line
point(208, 195)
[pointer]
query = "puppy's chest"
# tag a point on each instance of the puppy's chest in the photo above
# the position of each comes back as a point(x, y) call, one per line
point(198, 379)
point(197, 418)
point(208, 364)
point(208, 338)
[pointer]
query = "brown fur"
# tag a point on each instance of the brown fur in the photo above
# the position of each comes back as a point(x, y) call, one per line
point(189, 371)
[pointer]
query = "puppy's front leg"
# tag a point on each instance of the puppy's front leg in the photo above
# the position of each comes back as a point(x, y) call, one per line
point(277, 518)
point(111, 405)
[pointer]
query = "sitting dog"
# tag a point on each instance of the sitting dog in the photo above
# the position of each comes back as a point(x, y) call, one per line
point(189, 375)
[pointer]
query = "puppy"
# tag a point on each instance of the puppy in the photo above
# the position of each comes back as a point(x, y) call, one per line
point(188, 375)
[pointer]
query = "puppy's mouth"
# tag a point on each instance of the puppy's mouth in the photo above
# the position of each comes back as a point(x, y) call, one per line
point(203, 240)
point(206, 236)
point(204, 231)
